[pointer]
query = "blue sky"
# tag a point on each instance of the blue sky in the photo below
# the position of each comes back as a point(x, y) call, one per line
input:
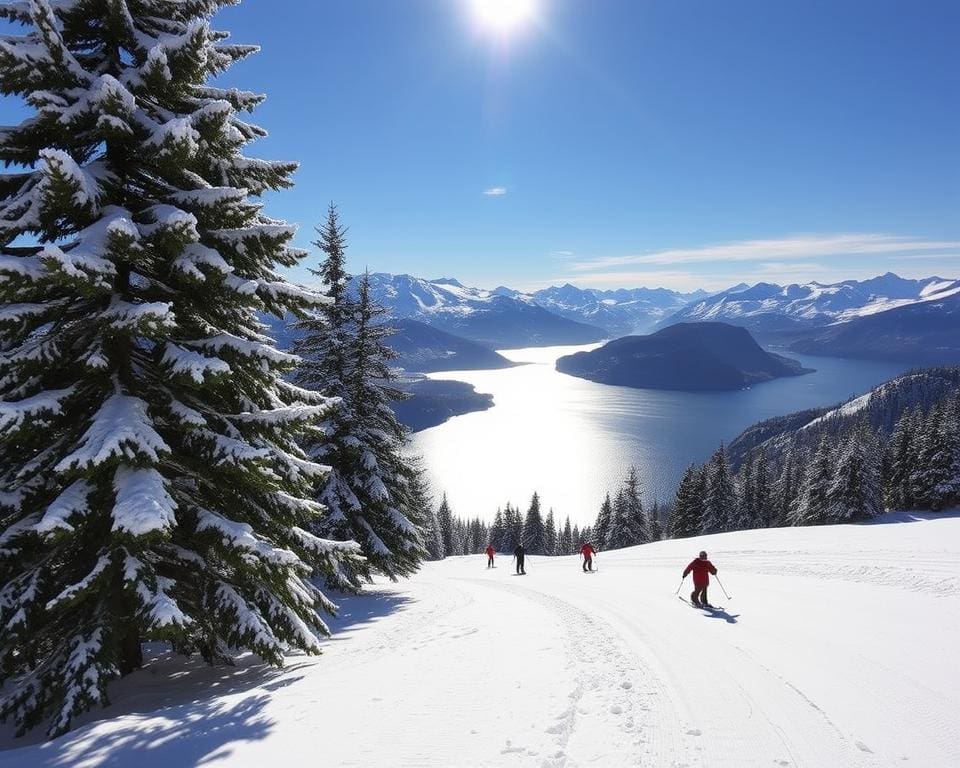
point(679, 143)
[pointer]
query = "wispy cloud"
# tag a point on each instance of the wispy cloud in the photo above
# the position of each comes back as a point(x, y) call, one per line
point(785, 248)
point(495, 191)
point(561, 254)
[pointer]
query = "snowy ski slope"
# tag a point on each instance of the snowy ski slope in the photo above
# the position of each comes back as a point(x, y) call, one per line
point(839, 648)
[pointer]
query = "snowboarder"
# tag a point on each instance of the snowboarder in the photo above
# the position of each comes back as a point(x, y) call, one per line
point(701, 568)
point(490, 553)
point(519, 553)
point(587, 552)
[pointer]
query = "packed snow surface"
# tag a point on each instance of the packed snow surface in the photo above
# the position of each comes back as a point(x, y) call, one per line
point(838, 648)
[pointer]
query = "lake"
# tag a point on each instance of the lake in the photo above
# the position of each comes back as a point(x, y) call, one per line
point(571, 440)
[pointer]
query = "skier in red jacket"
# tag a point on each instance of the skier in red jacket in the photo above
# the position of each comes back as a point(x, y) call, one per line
point(587, 552)
point(701, 568)
point(490, 553)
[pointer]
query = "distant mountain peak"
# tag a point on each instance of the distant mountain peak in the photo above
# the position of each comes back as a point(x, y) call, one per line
point(448, 281)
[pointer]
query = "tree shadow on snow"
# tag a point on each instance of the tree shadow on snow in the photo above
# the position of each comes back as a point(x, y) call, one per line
point(188, 734)
point(169, 713)
point(357, 611)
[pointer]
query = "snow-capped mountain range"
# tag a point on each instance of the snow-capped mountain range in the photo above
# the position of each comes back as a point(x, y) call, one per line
point(768, 307)
point(478, 314)
point(493, 318)
point(886, 317)
point(621, 312)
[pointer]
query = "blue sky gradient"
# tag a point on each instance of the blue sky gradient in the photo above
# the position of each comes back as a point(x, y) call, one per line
point(631, 142)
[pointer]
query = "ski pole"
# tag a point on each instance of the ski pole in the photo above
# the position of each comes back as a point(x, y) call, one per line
point(681, 585)
point(721, 587)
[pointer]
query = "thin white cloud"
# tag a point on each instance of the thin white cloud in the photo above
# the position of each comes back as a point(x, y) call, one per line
point(495, 191)
point(561, 254)
point(785, 248)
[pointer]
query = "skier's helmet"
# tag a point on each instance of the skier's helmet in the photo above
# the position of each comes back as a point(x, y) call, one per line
point(703, 555)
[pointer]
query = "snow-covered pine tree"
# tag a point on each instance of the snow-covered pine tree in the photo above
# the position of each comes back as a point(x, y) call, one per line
point(604, 518)
point(534, 531)
point(899, 458)
point(948, 490)
point(447, 533)
point(576, 540)
point(516, 527)
point(813, 504)
point(720, 505)
point(550, 524)
point(933, 477)
point(151, 487)
point(855, 492)
point(622, 525)
point(432, 538)
point(496, 531)
point(762, 492)
point(388, 527)
point(655, 522)
point(789, 487)
point(746, 513)
point(565, 542)
point(368, 489)
point(635, 512)
point(687, 512)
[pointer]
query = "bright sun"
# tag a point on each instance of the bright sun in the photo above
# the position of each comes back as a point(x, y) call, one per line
point(503, 15)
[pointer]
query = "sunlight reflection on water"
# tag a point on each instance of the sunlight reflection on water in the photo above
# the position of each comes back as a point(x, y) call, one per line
point(571, 439)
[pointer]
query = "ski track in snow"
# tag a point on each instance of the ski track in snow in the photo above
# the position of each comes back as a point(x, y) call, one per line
point(837, 648)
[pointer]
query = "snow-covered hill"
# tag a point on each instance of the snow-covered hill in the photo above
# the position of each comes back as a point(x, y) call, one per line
point(837, 649)
point(772, 307)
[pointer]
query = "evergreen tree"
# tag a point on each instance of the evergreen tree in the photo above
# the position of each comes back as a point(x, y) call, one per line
point(855, 491)
point(622, 532)
point(655, 522)
point(516, 527)
point(639, 532)
point(745, 515)
point(899, 458)
point(687, 512)
point(762, 492)
point(789, 488)
point(447, 532)
point(346, 356)
point(551, 533)
point(534, 531)
point(604, 518)
point(432, 539)
point(565, 542)
point(933, 479)
point(496, 532)
point(151, 483)
point(721, 501)
point(575, 540)
point(813, 507)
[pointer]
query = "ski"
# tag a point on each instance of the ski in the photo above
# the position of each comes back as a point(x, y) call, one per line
point(701, 607)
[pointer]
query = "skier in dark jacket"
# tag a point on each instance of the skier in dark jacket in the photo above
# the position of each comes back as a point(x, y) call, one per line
point(490, 553)
point(519, 553)
point(701, 569)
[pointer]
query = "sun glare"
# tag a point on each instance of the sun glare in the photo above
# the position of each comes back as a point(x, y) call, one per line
point(503, 15)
